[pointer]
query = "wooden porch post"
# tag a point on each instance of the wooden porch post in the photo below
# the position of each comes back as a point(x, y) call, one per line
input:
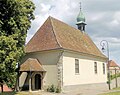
point(30, 84)
point(17, 79)
point(2, 88)
point(18, 82)
point(41, 80)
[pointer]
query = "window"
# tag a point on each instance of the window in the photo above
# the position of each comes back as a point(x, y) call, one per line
point(103, 68)
point(76, 66)
point(95, 67)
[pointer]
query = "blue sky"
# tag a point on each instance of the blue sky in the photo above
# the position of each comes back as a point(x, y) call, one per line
point(102, 18)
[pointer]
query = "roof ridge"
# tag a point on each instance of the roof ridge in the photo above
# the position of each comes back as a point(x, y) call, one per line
point(54, 32)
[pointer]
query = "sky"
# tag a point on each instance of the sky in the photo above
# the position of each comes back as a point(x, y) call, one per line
point(102, 18)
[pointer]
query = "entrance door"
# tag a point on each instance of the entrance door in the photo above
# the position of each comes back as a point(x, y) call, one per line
point(37, 81)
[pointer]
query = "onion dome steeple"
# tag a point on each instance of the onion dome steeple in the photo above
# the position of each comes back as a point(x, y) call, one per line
point(81, 20)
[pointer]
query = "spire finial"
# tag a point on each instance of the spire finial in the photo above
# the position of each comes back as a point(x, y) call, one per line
point(81, 20)
point(80, 6)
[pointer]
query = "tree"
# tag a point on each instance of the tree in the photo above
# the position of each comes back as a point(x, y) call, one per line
point(15, 20)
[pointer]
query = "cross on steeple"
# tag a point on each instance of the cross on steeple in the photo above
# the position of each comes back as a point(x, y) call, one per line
point(80, 6)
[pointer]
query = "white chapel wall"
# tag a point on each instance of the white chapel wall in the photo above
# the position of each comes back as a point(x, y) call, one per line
point(86, 66)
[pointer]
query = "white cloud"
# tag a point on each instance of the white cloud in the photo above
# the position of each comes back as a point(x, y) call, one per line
point(45, 7)
point(114, 23)
point(117, 16)
point(96, 16)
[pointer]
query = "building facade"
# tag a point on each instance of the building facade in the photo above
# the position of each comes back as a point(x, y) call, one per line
point(114, 68)
point(61, 55)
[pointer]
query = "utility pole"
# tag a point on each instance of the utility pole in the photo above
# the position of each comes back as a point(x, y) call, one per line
point(116, 77)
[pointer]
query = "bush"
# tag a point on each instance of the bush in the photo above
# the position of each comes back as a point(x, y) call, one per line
point(58, 90)
point(108, 82)
point(52, 88)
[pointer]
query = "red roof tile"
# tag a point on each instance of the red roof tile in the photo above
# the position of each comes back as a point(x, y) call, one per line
point(112, 64)
point(54, 34)
point(5, 88)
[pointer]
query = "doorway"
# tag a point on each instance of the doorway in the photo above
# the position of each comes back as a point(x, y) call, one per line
point(37, 81)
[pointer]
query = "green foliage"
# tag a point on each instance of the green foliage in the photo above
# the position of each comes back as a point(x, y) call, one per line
point(9, 93)
point(114, 76)
point(15, 20)
point(58, 90)
point(52, 88)
point(108, 82)
point(118, 88)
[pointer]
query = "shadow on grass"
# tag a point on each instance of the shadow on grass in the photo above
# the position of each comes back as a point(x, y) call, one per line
point(8, 93)
point(20, 93)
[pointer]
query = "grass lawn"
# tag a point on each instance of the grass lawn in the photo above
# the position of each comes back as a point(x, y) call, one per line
point(16, 93)
point(8, 93)
point(116, 88)
point(111, 93)
point(117, 92)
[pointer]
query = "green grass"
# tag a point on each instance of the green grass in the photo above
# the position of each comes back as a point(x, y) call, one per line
point(16, 93)
point(112, 93)
point(8, 93)
point(116, 88)
point(117, 92)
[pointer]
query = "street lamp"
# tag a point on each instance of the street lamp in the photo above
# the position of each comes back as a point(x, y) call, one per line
point(104, 45)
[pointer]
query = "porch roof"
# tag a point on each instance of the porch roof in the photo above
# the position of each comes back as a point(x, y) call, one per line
point(31, 64)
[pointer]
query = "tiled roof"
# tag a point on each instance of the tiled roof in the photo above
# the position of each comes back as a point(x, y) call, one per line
point(31, 65)
point(5, 88)
point(54, 34)
point(112, 64)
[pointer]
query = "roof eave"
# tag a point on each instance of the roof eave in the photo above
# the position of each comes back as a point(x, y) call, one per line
point(64, 49)
point(88, 54)
point(31, 71)
point(45, 50)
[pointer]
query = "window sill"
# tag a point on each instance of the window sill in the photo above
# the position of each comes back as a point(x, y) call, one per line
point(77, 73)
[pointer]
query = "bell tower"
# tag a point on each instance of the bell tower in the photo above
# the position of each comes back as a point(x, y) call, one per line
point(81, 20)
